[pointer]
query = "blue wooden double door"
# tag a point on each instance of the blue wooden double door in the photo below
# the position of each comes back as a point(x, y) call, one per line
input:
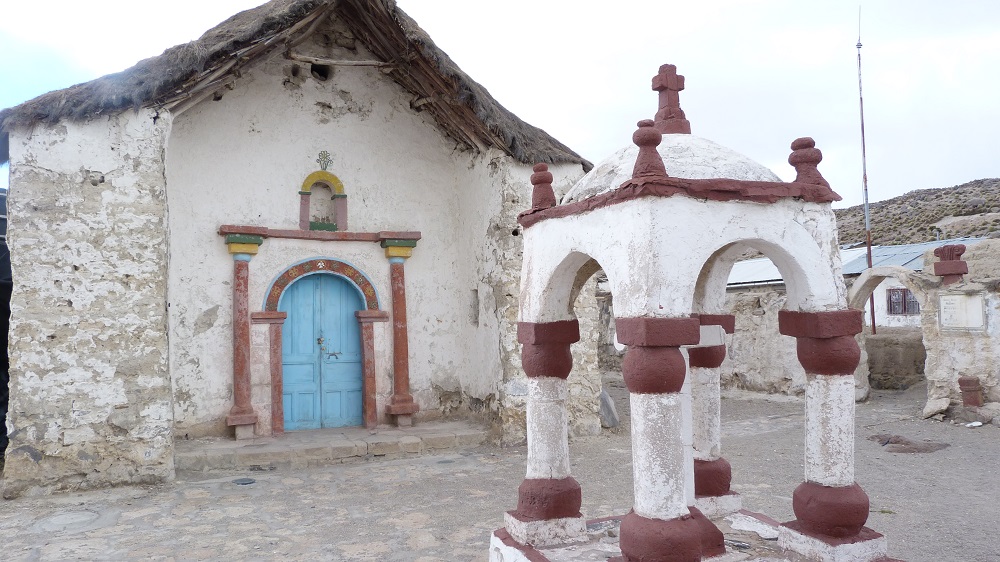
point(321, 353)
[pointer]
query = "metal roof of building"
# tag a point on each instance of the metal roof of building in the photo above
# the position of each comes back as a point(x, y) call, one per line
point(761, 271)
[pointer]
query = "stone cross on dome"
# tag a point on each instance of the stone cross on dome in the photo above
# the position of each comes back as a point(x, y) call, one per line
point(670, 117)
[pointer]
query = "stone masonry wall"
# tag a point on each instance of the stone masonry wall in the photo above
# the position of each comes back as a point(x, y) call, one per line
point(505, 292)
point(90, 398)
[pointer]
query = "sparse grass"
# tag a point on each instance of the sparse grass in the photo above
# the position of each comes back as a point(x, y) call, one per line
point(907, 219)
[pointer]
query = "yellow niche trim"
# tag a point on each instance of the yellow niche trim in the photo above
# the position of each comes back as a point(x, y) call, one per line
point(324, 177)
point(237, 248)
point(398, 252)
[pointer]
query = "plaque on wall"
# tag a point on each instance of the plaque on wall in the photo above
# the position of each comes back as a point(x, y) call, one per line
point(961, 312)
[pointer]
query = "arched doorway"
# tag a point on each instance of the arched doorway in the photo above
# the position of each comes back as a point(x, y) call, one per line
point(321, 353)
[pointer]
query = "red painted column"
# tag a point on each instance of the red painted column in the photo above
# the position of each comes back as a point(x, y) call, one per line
point(242, 415)
point(365, 320)
point(401, 405)
point(275, 320)
point(712, 473)
point(304, 209)
point(829, 503)
point(661, 525)
point(549, 498)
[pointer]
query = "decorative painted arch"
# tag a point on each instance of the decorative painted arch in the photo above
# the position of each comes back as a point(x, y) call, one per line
point(325, 178)
point(321, 265)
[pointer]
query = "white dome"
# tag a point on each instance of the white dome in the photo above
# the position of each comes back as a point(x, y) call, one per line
point(685, 156)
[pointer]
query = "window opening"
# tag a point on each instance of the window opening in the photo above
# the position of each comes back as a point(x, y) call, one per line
point(901, 302)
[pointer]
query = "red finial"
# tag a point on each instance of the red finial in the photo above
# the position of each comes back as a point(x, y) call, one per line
point(542, 196)
point(648, 163)
point(951, 267)
point(805, 158)
point(670, 116)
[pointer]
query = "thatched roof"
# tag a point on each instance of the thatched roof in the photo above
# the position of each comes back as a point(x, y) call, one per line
point(461, 107)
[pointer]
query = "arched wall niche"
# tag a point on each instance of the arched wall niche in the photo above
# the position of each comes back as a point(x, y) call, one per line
point(331, 215)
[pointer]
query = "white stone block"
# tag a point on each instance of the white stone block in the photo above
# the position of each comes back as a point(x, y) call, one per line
point(719, 506)
point(812, 548)
point(546, 532)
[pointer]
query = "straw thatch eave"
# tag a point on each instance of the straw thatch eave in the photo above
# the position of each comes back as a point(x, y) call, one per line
point(462, 108)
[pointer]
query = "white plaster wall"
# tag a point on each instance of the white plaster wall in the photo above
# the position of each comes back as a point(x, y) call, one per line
point(654, 248)
point(90, 400)
point(241, 160)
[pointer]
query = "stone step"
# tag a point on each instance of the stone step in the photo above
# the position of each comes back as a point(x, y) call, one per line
point(323, 447)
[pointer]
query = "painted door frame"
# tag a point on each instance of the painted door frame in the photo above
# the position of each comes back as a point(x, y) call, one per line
point(365, 317)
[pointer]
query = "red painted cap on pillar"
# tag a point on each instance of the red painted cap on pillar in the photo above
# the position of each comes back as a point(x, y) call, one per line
point(542, 195)
point(648, 163)
point(822, 324)
point(805, 158)
point(951, 267)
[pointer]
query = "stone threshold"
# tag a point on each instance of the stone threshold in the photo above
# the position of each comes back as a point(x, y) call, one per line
point(323, 447)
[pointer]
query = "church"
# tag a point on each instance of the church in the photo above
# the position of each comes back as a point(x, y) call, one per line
point(304, 219)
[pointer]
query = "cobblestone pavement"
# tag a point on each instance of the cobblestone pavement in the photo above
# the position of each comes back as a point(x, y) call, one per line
point(938, 506)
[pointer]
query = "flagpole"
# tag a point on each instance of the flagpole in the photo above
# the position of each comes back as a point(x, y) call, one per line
point(864, 170)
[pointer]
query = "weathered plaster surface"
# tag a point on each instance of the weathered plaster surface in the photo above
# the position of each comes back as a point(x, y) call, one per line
point(242, 159)
point(660, 457)
point(758, 357)
point(952, 353)
point(548, 448)
point(90, 392)
point(684, 156)
point(829, 423)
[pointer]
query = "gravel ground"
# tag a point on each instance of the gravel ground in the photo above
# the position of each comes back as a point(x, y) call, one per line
point(938, 506)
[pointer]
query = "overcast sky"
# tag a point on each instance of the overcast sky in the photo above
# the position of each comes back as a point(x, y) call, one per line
point(759, 73)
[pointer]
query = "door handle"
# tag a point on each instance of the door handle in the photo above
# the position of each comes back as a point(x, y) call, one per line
point(335, 354)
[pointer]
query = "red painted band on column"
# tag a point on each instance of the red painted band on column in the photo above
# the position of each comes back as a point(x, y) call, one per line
point(712, 478)
point(402, 401)
point(707, 357)
point(561, 331)
point(653, 370)
point(826, 324)
point(713, 542)
point(365, 320)
point(830, 511)
point(727, 321)
point(242, 411)
point(657, 332)
point(275, 321)
point(829, 356)
point(547, 360)
point(304, 211)
point(655, 540)
point(548, 498)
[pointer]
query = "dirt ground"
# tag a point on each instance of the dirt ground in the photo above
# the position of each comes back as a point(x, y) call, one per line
point(939, 506)
point(936, 506)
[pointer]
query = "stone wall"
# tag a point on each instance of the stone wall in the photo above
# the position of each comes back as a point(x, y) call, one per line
point(759, 358)
point(90, 397)
point(895, 358)
point(953, 353)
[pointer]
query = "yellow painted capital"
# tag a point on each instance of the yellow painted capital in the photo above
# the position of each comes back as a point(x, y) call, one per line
point(241, 248)
point(398, 251)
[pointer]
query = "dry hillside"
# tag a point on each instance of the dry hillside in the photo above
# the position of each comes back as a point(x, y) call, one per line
point(970, 209)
